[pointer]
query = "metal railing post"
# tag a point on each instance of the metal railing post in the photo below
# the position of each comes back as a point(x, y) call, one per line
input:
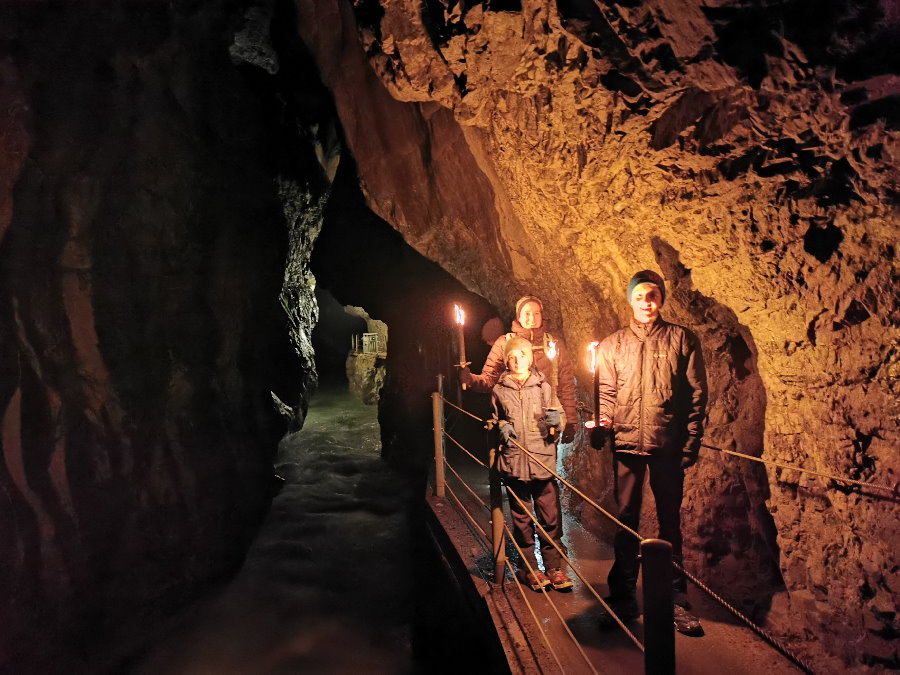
point(437, 409)
point(659, 617)
point(498, 536)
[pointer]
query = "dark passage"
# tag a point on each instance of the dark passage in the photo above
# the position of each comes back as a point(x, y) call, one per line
point(331, 339)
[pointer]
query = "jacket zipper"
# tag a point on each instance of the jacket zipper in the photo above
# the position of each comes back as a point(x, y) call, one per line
point(641, 407)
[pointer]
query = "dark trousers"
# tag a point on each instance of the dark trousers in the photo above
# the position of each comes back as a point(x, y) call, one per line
point(666, 483)
point(545, 495)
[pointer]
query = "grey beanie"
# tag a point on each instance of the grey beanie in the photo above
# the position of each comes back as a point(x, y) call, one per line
point(517, 342)
point(647, 277)
point(526, 299)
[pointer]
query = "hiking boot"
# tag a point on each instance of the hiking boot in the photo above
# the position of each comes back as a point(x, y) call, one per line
point(625, 608)
point(686, 623)
point(535, 581)
point(559, 580)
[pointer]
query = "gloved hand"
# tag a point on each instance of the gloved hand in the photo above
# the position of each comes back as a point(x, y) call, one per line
point(553, 418)
point(507, 431)
point(568, 433)
point(466, 377)
point(690, 454)
point(598, 437)
point(689, 459)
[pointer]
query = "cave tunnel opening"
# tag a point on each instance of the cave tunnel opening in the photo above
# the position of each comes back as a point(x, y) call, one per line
point(333, 339)
point(369, 281)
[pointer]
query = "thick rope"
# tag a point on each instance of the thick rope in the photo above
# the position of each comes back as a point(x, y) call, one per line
point(463, 410)
point(765, 635)
point(533, 571)
point(587, 585)
point(460, 446)
point(895, 490)
point(874, 486)
point(472, 492)
point(483, 540)
point(579, 492)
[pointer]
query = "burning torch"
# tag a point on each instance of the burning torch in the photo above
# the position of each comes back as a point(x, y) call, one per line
point(460, 319)
point(554, 372)
point(554, 377)
point(595, 369)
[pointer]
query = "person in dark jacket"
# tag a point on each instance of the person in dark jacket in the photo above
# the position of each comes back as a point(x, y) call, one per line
point(653, 396)
point(529, 324)
point(524, 415)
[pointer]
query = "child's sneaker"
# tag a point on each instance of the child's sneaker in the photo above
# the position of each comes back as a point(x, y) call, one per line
point(559, 580)
point(535, 581)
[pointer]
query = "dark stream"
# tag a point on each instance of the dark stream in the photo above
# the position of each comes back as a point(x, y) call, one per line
point(330, 584)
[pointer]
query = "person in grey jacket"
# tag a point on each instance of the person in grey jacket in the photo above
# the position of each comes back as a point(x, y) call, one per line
point(529, 324)
point(653, 396)
point(527, 415)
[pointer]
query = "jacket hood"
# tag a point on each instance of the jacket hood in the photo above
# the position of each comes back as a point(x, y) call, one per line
point(535, 379)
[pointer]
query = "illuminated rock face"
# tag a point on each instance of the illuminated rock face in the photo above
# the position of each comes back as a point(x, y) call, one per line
point(556, 148)
point(365, 366)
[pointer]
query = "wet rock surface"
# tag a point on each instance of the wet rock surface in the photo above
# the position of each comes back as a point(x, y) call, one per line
point(143, 239)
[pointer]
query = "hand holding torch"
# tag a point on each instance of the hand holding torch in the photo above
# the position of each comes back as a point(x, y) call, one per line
point(554, 376)
point(595, 369)
point(460, 318)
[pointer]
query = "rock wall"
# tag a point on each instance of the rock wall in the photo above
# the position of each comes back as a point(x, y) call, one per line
point(143, 239)
point(747, 151)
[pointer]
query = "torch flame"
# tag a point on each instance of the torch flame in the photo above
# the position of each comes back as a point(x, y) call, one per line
point(460, 315)
point(592, 348)
point(551, 350)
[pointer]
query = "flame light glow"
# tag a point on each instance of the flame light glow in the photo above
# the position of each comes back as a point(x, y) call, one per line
point(551, 349)
point(592, 348)
point(460, 315)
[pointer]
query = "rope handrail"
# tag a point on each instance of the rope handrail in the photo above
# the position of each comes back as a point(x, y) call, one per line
point(874, 486)
point(894, 491)
point(483, 539)
point(552, 604)
point(463, 410)
point(581, 494)
point(765, 635)
point(460, 446)
point(587, 584)
point(472, 492)
point(574, 489)
point(701, 585)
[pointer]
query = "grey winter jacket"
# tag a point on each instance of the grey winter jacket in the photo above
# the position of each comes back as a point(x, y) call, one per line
point(523, 407)
point(653, 388)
